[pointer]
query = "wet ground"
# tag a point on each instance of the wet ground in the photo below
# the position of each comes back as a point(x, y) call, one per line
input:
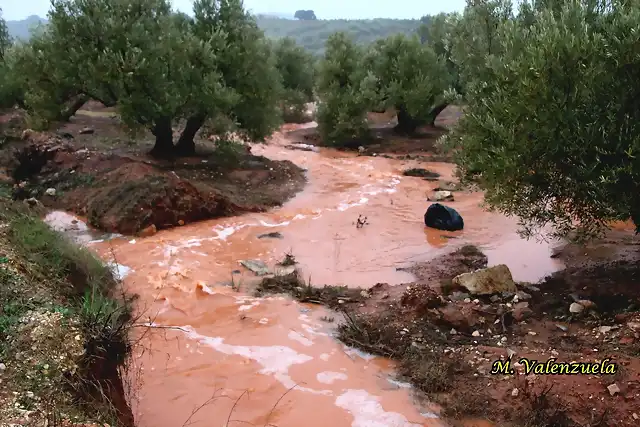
point(218, 355)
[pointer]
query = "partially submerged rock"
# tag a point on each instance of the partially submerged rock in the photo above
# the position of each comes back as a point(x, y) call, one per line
point(487, 281)
point(422, 173)
point(256, 266)
point(274, 235)
point(443, 218)
point(441, 196)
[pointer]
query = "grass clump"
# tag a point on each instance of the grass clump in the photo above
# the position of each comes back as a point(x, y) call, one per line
point(292, 284)
point(64, 329)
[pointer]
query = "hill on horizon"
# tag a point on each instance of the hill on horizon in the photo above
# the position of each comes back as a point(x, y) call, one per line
point(311, 35)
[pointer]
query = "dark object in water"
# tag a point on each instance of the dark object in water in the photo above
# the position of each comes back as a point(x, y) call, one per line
point(443, 218)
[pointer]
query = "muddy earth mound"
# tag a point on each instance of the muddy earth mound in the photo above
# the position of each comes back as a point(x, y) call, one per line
point(127, 192)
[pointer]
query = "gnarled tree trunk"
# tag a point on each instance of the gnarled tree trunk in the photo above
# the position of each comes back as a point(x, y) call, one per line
point(163, 132)
point(407, 125)
point(435, 112)
point(186, 144)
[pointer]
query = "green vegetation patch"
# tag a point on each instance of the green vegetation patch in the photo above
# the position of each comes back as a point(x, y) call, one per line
point(64, 330)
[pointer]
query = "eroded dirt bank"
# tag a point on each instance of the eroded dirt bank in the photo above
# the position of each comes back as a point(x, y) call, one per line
point(91, 167)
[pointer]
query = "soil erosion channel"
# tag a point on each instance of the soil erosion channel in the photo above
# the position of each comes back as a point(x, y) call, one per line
point(241, 354)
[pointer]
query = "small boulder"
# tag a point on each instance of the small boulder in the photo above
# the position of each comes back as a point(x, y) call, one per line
point(459, 318)
point(576, 308)
point(87, 131)
point(148, 231)
point(521, 311)
point(441, 196)
point(443, 217)
point(487, 281)
point(50, 192)
point(32, 202)
point(613, 389)
point(257, 267)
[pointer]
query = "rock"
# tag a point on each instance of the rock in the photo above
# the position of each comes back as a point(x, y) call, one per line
point(421, 298)
point(475, 334)
point(458, 296)
point(283, 271)
point(274, 235)
point(441, 196)
point(635, 416)
point(32, 202)
point(453, 331)
point(3, 366)
point(50, 192)
point(256, 266)
point(605, 329)
point(635, 326)
point(148, 231)
point(302, 147)
point(180, 222)
point(515, 392)
point(487, 281)
point(459, 318)
point(532, 288)
point(421, 173)
point(562, 328)
point(522, 296)
point(446, 186)
point(87, 131)
point(494, 298)
point(26, 134)
point(589, 305)
point(576, 308)
point(521, 311)
point(510, 353)
point(443, 217)
point(361, 149)
point(613, 389)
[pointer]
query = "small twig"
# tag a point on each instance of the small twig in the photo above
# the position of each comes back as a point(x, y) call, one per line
point(197, 409)
point(146, 325)
point(266, 423)
point(234, 407)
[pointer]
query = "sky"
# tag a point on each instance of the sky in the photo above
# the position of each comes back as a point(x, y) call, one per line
point(324, 9)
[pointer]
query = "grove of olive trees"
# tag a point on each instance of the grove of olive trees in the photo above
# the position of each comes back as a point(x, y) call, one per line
point(550, 129)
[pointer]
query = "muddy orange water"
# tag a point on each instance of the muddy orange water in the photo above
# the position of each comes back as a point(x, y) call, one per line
point(217, 357)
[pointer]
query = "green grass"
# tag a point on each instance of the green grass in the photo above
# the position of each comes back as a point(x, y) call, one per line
point(44, 274)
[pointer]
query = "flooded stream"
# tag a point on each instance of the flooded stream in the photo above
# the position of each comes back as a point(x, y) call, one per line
point(218, 357)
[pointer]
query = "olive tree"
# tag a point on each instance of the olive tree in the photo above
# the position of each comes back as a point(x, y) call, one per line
point(346, 90)
point(296, 67)
point(411, 78)
point(552, 134)
point(158, 67)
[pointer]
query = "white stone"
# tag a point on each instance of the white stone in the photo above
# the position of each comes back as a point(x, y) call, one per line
point(50, 192)
point(576, 308)
point(613, 389)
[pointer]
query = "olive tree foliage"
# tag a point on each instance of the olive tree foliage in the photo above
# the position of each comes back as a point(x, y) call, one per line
point(9, 85)
point(346, 90)
point(473, 38)
point(296, 67)
point(158, 67)
point(553, 133)
point(412, 79)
